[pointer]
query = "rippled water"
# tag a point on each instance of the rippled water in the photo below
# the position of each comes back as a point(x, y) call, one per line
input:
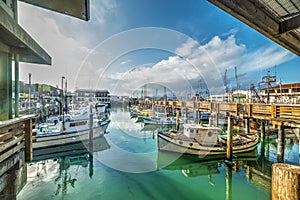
point(127, 165)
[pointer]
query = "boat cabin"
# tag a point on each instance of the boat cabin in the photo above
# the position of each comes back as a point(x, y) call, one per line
point(203, 134)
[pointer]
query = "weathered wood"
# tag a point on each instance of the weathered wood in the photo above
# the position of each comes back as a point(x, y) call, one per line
point(263, 130)
point(10, 143)
point(28, 140)
point(11, 134)
point(280, 144)
point(11, 151)
point(285, 181)
point(229, 138)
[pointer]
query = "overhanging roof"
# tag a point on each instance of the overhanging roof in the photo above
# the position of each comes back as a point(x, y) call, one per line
point(75, 8)
point(278, 20)
point(14, 39)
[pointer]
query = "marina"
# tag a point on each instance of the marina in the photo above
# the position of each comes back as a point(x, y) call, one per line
point(149, 100)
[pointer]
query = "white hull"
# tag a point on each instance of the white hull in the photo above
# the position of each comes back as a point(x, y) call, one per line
point(189, 146)
point(64, 139)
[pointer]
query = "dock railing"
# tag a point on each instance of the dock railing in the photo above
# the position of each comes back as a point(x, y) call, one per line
point(15, 139)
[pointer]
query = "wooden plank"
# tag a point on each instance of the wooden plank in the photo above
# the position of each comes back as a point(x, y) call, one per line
point(11, 126)
point(10, 143)
point(11, 134)
point(12, 151)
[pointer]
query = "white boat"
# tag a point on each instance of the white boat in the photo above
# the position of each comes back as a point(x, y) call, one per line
point(161, 119)
point(202, 140)
point(67, 132)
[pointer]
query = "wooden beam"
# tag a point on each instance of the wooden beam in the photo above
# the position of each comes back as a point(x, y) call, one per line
point(289, 25)
point(257, 17)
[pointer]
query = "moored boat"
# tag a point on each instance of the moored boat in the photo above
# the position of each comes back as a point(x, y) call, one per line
point(202, 140)
point(67, 132)
point(161, 119)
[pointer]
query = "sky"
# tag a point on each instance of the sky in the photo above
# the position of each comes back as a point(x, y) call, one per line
point(172, 43)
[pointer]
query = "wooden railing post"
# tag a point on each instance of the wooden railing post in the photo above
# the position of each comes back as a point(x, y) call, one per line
point(28, 140)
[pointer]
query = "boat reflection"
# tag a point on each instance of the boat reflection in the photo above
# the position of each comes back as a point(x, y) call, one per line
point(58, 165)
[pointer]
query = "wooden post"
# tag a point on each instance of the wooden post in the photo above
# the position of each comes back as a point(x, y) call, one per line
point(229, 139)
point(263, 130)
point(28, 140)
point(177, 119)
point(247, 125)
point(228, 183)
point(91, 137)
point(280, 144)
point(285, 181)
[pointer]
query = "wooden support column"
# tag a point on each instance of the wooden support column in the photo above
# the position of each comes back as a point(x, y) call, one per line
point(91, 134)
point(177, 119)
point(229, 138)
point(4, 86)
point(10, 88)
point(280, 145)
point(247, 125)
point(28, 140)
point(285, 181)
point(16, 85)
point(263, 130)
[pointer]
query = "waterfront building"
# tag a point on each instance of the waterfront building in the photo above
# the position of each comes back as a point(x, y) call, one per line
point(89, 95)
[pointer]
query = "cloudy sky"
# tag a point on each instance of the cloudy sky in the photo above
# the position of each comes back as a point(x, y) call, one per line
point(172, 43)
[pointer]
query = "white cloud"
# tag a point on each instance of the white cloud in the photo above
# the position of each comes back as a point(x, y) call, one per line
point(194, 61)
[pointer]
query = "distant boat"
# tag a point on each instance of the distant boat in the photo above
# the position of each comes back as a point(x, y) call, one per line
point(161, 119)
point(202, 140)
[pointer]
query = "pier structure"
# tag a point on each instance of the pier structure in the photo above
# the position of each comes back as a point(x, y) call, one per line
point(253, 115)
point(16, 46)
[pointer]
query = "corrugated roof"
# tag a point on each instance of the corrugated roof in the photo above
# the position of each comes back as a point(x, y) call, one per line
point(278, 20)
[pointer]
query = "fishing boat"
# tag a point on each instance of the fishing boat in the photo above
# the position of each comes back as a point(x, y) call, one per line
point(161, 119)
point(67, 132)
point(203, 140)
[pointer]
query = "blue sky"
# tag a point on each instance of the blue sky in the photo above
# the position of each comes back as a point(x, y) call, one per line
point(128, 43)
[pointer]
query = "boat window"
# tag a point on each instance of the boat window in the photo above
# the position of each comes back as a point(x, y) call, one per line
point(80, 123)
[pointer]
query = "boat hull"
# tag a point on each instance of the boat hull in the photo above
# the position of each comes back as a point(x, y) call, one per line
point(168, 143)
point(66, 139)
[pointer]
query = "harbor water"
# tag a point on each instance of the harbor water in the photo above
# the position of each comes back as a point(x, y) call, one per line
point(127, 165)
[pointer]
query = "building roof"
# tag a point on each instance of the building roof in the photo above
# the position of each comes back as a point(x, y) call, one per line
point(278, 20)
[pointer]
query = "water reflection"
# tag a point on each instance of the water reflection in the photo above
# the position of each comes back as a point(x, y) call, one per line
point(76, 174)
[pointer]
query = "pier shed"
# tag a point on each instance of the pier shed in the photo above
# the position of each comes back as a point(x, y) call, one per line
point(16, 45)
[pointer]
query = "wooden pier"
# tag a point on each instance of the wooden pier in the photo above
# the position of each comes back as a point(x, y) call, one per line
point(15, 151)
point(277, 114)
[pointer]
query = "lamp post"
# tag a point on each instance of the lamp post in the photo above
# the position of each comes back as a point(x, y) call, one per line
point(29, 92)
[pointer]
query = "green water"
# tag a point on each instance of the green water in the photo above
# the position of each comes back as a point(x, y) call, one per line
point(130, 167)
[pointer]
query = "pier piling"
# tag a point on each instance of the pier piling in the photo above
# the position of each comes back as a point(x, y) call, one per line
point(177, 119)
point(229, 139)
point(247, 125)
point(280, 145)
point(263, 130)
point(285, 181)
point(91, 131)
